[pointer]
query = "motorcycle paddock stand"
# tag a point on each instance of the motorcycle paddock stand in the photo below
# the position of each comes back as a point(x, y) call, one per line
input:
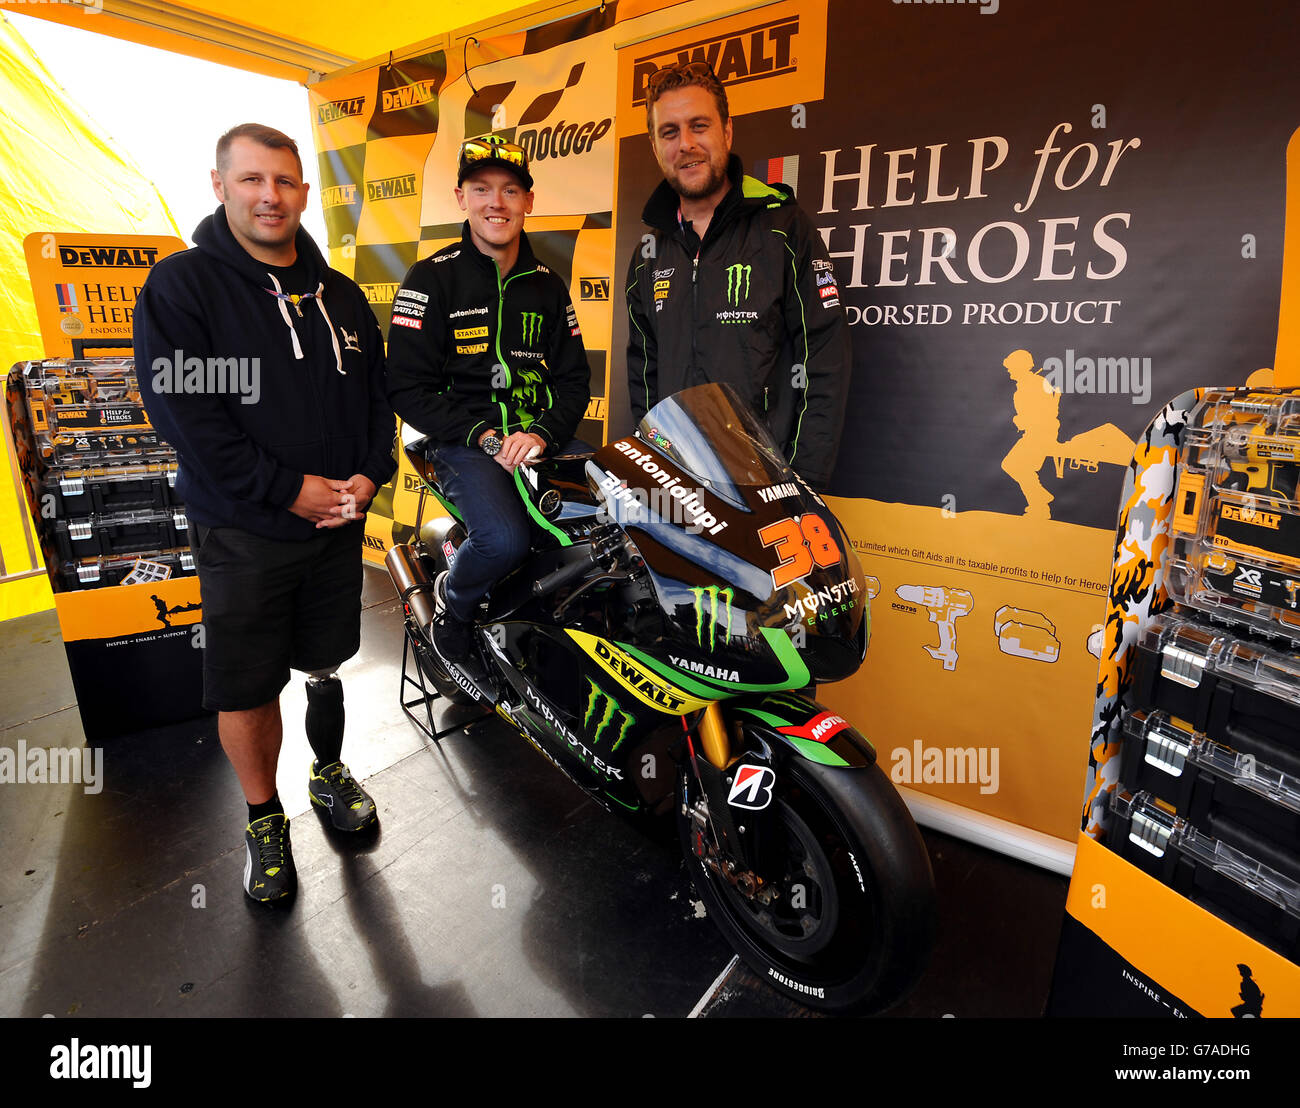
point(427, 695)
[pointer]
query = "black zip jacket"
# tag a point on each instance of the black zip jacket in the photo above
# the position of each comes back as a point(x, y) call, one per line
point(314, 373)
point(469, 350)
point(759, 302)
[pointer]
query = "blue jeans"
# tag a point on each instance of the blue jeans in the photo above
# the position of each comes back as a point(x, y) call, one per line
point(495, 517)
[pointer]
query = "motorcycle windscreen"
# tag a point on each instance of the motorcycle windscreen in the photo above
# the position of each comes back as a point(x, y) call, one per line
point(739, 548)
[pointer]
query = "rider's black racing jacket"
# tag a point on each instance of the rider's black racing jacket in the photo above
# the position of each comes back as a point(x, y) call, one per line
point(758, 302)
point(469, 350)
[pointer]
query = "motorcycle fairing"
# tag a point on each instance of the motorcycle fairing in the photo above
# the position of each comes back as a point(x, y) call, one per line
point(785, 670)
point(586, 725)
point(662, 694)
point(812, 731)
point(733, 540)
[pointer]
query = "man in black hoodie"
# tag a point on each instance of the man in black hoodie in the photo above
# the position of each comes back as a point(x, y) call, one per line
point(264, 368)
point(736, 285)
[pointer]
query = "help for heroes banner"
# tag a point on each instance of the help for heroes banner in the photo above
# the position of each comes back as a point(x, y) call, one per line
point(1037, 242)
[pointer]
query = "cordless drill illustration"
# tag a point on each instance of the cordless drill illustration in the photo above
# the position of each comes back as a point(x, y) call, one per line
point(945, 607)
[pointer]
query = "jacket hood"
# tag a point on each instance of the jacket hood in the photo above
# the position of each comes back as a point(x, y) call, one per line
point(745, 192)
point(214, 238)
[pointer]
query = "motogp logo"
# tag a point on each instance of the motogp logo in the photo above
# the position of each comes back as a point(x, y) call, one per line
point(752, 788)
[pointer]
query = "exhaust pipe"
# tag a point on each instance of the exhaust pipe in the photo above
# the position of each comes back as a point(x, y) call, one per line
point(406, 568)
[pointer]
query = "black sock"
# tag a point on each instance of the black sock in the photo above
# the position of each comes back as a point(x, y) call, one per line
point(268, 808)
point(324, 723)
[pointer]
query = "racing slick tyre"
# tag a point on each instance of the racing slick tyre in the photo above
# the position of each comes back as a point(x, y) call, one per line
point(852, 920)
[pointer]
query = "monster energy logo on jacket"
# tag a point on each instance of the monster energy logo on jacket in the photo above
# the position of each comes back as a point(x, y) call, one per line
point(738, 282)
point(596, 696)
point(532, 327)
point(713, 593)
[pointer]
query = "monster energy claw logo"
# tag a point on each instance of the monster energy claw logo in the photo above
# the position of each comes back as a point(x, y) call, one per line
point(532, 325)
point(713, 593)
point(738, 283)
point(595, 697)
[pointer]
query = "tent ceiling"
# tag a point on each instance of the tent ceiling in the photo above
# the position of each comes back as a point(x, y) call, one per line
point(295, 42)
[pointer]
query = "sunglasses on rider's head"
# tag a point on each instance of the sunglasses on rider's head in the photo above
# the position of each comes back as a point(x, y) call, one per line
point(493, 150)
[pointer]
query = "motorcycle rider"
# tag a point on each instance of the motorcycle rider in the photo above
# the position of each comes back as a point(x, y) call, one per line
point(485, 357)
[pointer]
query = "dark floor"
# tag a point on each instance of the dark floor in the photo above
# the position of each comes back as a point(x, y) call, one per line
point(495, 888)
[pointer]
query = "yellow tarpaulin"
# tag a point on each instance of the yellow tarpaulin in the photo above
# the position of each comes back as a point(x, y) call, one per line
point(296, 42)
point(57, 173)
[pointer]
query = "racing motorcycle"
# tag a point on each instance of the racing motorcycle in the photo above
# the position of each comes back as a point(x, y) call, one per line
point(684, 586)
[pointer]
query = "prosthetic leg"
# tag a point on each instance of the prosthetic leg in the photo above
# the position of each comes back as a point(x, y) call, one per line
point(332, 787)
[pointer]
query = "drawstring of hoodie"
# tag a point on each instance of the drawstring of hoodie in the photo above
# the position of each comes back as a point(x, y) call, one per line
point(296, 299)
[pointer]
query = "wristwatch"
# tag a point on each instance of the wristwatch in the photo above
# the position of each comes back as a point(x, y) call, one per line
point(491, 445)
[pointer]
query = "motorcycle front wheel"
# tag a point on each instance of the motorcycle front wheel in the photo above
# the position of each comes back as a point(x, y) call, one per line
point(848, 917)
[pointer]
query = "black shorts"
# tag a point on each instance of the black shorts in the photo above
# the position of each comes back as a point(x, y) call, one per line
point(270, 606)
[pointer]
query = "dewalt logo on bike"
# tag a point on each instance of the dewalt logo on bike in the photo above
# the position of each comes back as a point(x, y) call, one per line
point(646, 686)
point(706, 598)
point(738, 283)
point(747, 54)
point(608, 718)
point(532, 327)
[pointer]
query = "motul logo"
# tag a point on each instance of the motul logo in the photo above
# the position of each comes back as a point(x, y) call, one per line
point(827, 724)
point(764, 50)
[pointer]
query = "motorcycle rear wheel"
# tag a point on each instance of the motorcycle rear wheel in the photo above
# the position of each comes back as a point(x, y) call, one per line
point(853, 924)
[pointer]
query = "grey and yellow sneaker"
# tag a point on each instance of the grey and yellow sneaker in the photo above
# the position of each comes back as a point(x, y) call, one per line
point(334, 789)
point(269, 872)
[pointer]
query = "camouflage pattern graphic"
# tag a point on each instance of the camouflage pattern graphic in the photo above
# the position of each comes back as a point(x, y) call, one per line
point(1137, 590)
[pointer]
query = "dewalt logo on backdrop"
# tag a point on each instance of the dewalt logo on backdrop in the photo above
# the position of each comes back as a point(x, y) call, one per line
point(409, 96)
point(334, 196)
point(390, 188)
point(340, 109)
point(766, 59)
point(762, 50)
point(383, 293)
